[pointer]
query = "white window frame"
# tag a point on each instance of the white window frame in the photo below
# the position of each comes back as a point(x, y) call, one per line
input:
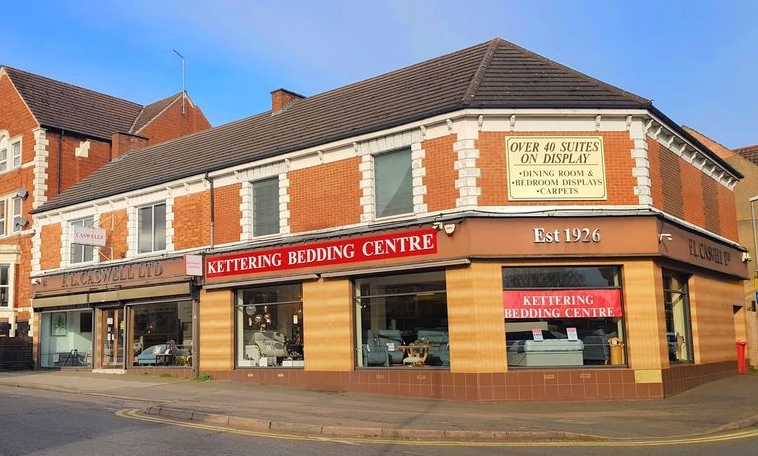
point(85, 222)
point(275, 213)
point(153, 230)
point(17, 207)
point(16, 153)
point(405, 182)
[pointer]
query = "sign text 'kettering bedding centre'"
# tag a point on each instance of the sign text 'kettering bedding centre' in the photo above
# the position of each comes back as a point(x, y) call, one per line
point(396, 245)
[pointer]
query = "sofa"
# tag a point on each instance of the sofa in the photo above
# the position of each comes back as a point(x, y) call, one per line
point(382, 347)
point(438, 339)
point(265, 344)
point(544, 353)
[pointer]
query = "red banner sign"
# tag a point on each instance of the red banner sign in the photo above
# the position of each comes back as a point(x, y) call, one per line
point(396, 245)
point(544, 304)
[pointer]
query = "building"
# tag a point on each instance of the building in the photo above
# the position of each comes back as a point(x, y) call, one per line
point(52, 135)
point(486, 225)
point(744, 160)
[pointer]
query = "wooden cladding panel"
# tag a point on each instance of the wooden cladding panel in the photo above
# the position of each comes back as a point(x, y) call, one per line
point(216, 332)
point(328, 326)
point(475, 318)
point(713, 319)
point(644, 316)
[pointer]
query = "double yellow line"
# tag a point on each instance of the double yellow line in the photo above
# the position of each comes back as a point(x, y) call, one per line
point(694, 440)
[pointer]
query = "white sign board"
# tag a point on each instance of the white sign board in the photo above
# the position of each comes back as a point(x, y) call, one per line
point(88, 236)
point(193, 265)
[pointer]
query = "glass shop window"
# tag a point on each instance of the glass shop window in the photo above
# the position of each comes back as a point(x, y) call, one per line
point(676, 301)
point(402, 320)
point(563, 316)
point(270, 326)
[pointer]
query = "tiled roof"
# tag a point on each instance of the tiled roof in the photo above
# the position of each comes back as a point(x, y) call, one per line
point(749, 153)
point(494, 74)
point(77, 110)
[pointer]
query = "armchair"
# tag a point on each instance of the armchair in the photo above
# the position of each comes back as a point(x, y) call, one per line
point(265, 344)
point(439, 353)
point(385, 345)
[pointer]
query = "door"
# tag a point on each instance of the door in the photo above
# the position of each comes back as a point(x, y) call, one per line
point(113, 338)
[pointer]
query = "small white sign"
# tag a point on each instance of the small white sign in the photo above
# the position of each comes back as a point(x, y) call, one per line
point(193, 265)
point(572, 335)
point(537, 334)
point(88, 236)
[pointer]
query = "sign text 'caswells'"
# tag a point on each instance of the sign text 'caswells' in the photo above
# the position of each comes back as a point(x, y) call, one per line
point(394, 245)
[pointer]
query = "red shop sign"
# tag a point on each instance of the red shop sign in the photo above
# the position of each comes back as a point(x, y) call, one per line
point(396, 245)
point(541, 304)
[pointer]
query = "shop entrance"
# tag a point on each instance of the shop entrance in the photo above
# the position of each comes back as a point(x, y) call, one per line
point(112, 336)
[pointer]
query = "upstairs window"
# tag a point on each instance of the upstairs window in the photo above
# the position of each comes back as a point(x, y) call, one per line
point(16, 153)
point(266, 206)
point(18, 220)
point(394, 183)
point(152, 228)
point(81, 253)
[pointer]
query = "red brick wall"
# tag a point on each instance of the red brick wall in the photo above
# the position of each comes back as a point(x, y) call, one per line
point(51, 241)
point(227, 214)
point(172, 124)
point(325, 195)
point(440, 173)
point(192, 219)
point(725, 210)
point(618, 169)
point(114, 224)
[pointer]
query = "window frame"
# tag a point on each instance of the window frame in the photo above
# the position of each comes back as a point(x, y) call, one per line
point(160, 247)
point(402, 182)
point(266, 215)
point(675, 341)
point(5, 285)
point(85, 222)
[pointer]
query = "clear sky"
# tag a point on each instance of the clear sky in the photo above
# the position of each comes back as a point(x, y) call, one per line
point(696, 59)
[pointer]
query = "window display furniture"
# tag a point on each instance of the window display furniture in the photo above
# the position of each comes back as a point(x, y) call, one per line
point(265, 346)
point(548, 352)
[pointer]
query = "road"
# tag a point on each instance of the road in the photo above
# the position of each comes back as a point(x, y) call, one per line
point(42, 423)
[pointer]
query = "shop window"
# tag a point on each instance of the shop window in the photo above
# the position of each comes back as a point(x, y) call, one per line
point(402, 320)
point(270, 326)
point(676, 303)
point(64, 340)
point(394, 183)
point(81, 253)
point(152, 228)
point(266, 207)
point(563, 316)
point(161, 334)
point(4, 284)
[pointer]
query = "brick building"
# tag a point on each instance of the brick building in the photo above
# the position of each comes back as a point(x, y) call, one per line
point(52, 135)
point(486, 225)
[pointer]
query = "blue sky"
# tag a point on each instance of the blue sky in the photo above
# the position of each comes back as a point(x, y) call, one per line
point(696, 59)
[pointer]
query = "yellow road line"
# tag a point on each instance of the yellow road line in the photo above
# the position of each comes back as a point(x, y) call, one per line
point(748, 433)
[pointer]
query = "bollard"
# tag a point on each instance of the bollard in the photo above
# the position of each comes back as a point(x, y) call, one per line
point(741, 356)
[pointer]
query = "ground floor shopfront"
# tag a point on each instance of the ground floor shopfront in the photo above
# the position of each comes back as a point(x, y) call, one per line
point(476, 308)
point(135, 315)
point(490, 309)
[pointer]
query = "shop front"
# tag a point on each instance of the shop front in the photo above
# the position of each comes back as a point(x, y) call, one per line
point(614, 307)
point(137, 315)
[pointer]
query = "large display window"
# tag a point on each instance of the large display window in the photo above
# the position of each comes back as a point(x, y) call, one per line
point(66, 338)
point(563, 316)
point(402, 320)
point(270, 326)
point(161, 334)
point(676, 301)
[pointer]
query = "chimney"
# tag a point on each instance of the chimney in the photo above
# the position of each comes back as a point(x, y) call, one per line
point(281, 99)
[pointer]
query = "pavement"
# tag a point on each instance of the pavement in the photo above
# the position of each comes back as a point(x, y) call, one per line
point(723, 405)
